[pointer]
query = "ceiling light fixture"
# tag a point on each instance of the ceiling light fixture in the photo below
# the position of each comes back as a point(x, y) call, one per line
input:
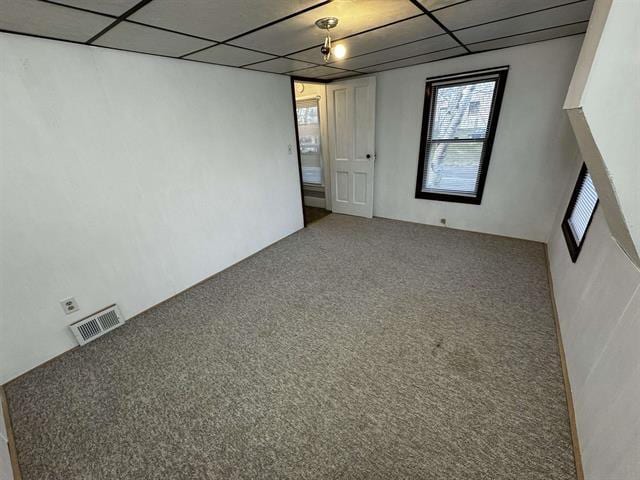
point(339, 51)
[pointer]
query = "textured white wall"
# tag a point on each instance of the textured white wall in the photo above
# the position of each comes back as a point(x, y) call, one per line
point(127, 178)
point(527, 173)
point(604, 101)
point(598, 297)
point(598, 301)
point(614, 81)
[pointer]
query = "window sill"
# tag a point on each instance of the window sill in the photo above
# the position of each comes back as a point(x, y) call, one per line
point(445, 197)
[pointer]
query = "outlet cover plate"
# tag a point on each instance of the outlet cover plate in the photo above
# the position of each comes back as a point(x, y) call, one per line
point(69, 305)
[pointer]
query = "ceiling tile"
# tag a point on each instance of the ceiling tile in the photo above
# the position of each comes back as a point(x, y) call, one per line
point(138, 38)
point(48, 20)
point(529, 37)
point(476, 12)
point(433, 5)
point(555, 17)
point(300, 32)
point(335, 76)
point(315, 72)
point(396, 34)
point(429, 57)
point(219, 19)
point(311, 55)
point(396, 53)
point(110, 7)
point(281, 65)
point(228, 55)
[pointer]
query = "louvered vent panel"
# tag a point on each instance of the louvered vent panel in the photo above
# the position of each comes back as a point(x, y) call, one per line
point(96, 325)
point(109, 320)
point(89, 329)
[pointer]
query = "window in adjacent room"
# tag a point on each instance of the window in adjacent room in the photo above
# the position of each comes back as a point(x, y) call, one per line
point(458, 126)
point(579, 213)
point(308, 114)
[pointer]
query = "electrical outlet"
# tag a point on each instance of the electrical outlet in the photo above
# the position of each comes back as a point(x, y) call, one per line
point(290, 149)
point(69, 305)
point(443, 221)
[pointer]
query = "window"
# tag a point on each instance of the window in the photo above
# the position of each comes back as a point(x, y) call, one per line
point(458, 126)
point(308, 115)
point(579, 213)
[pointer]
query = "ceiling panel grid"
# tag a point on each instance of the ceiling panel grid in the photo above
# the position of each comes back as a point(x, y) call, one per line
point(280, 36)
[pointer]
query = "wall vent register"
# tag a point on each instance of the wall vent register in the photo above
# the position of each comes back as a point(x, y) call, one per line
point(577, 219)
point(96, 325)
point(459, 123)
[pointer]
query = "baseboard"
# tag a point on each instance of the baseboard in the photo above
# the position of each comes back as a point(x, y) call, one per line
point(13, 454)
point(461, 229)
point(575, 441)
point(314, 202)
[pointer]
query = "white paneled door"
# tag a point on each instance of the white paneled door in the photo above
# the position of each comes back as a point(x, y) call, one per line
point(351, 112)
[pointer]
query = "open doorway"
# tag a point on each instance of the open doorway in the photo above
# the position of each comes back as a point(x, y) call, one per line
point(311, 117)
point(335, 128)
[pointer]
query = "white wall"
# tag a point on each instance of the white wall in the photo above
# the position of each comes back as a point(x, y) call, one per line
point(598, 297)
point(527, 172)
point(128, 178)
point(603, 104)
point(598, 301)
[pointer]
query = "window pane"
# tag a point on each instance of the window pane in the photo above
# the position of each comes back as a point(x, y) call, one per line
point(583, 208)
point(312, 175)
point(462, 111)
point(453, 167)
point(458, 125)
point(309, 140)
point(307, 114)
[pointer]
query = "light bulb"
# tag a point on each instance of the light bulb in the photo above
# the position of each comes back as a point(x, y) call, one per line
point(339, 51)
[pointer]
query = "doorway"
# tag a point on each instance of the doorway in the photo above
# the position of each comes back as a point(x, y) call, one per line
point(311, 118)
point(335, 129)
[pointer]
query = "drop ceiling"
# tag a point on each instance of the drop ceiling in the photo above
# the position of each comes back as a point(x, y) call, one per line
point(279, 36)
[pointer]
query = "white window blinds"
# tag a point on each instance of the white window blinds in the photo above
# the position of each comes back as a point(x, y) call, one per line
point(585, 204)
point(579, 213)
point(308, 114)
point(458, 127)
point(457, 136)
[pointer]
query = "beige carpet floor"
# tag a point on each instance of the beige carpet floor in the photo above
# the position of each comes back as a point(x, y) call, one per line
point(353, 349)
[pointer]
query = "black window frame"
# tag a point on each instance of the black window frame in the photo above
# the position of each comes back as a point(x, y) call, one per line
point(494, 116)
point(572, 245)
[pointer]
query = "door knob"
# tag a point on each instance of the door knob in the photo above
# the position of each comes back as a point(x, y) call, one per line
point(368, 155)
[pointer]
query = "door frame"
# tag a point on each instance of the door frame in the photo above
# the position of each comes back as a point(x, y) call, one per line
point(297, 145)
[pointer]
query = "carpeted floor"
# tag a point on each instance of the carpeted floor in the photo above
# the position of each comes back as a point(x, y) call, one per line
point(354, 349)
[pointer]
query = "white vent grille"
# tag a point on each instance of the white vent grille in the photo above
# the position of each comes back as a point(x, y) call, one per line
point(98, 324)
